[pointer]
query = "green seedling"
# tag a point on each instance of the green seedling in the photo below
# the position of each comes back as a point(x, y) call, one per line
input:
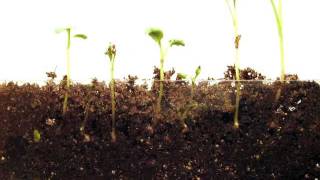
point(111, 53)
point(157, 35)
point(191, 104)
point(80, 36)
point(192, 78)
point(36, 135)
point(277, 10)
point(232, 5)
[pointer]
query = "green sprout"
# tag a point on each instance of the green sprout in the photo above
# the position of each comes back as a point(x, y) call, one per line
point(157, 35)
point(80, 36)
point(36, 135)
point(277, 10)
point(192, 78)
point(191, 104)
point(233, 11)
point(111, 52)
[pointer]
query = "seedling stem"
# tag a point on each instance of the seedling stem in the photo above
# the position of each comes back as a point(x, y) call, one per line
point(111, 52)
point(80, 36)
point(277, 10)
point(237, 37)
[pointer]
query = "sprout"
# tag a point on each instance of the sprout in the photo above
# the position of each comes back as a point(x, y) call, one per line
point(192, 78)
point(80, 36)
point(111, 53)
point(277, 10)
point(237, 37)
point(157, 35)
point(36, 135)
point(197, 73)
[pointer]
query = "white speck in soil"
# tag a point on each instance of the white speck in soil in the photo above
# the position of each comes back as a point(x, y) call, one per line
point(3, 158)
point(298, 102)
point(233, 84)
point(317, 165)
point(248, 169)
point(81, 168)
point(291, 108)
point(113, 172)
point(279, 110)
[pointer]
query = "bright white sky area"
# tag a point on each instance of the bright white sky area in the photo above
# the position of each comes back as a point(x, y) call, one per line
point(29, 47)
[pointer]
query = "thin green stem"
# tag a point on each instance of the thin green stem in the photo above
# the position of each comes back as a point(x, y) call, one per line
point(162, 56)
point(113, 101)
point(233, 12)
point(65, 101)
point(278, 15)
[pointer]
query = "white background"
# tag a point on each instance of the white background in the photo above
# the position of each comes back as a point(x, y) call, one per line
point(29, 47)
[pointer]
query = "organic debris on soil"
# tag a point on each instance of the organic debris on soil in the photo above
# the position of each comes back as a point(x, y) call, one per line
point(194, 139)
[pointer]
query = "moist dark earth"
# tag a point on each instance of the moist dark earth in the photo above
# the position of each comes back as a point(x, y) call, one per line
point(192, 138)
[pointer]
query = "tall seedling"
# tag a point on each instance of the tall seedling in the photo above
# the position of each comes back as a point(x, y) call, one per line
point(157, 35)
point(80, 36)
point(233, 11)
point(111, 53)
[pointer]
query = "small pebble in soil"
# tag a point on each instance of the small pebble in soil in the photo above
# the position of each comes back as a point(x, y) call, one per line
point(50, 122)
point(3, 158)
point(306, 176)
point(317, 165)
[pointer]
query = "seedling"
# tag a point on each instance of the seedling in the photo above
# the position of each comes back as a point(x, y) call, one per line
point(111, 53)
point(157, 35)
point(192, 78)
point(80, 36)
point(277, 10)
point(191, 104)
point(233, 11)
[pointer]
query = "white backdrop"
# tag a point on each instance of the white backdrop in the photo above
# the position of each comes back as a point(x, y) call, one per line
point(29, 47)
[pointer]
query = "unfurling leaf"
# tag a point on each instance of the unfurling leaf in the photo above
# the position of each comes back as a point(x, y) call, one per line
point(60, 30)
point(36, 135)
point(176, 42)
point(198, 71)
point(81, 36)
point(156, 34)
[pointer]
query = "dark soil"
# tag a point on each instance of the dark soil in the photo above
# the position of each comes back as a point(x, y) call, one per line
point(193, 138)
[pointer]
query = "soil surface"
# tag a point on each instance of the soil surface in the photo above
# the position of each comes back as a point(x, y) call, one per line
point(192, 138)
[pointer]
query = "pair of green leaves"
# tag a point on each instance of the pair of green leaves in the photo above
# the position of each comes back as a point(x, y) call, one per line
point(157, 35)
point(185, 76)
point(68, 30)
